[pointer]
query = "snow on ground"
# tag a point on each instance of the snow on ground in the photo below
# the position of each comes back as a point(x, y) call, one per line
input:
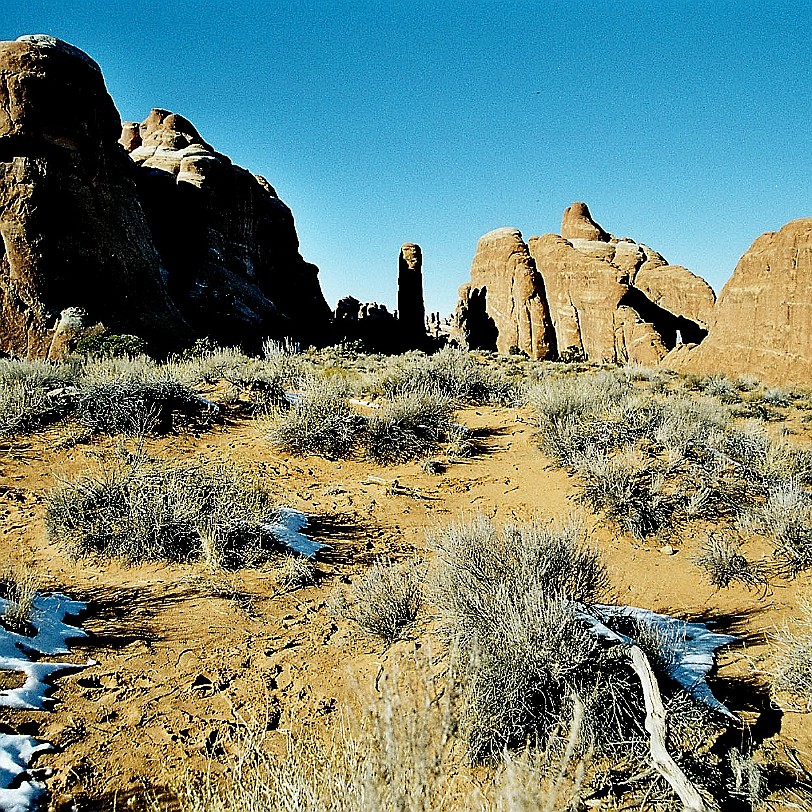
point(19, 791)
point(688, 649)
point(287, 527)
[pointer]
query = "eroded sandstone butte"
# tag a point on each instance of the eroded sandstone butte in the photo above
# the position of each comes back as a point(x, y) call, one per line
point(504, 307)
point(169, 242)
point(228, 243)
point(762, 323)
point(609, 299)
point(73, 231)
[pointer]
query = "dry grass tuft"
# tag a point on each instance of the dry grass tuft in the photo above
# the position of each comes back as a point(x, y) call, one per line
point(386, 600)
point(139, 509)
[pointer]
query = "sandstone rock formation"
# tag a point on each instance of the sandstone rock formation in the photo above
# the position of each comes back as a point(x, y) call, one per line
point(170, 243)
point(73, 231)
point(609, 299)
point(577, 223)
point(411, 309)
point(368, 322)
point(505, 308)
point(227, 241)
point(762, 323)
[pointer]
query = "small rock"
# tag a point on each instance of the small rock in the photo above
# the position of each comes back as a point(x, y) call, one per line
point(668, 550)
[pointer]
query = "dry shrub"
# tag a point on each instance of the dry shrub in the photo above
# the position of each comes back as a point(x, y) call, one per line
point(785, 517)
point(319, 421)
point(410, 426)
point(139, 509)
point(134, 406)
point(32, 394)
point(627, 491)
point(451, 372)
point(791, 670)
point(386, 600)
point(522, 657)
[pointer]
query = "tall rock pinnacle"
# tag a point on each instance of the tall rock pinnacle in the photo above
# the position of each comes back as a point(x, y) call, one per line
point(411, 309)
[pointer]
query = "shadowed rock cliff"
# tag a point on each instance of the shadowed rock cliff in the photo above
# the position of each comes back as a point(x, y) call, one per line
point(73, 231)
point(227, 241)
point(170, 243)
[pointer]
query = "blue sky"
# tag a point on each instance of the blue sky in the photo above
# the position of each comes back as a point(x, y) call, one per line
point(684, 125)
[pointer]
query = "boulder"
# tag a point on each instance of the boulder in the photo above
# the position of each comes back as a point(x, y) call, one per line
point(505, 307)
point(227, 241)
point(74, 234)
point(762, 323)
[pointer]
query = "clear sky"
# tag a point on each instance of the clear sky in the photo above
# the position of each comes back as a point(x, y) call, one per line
point(684, 125)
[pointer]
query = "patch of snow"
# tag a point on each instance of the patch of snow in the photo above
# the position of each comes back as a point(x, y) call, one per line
point(19, 792)
point(692, 645)
point(287, 528)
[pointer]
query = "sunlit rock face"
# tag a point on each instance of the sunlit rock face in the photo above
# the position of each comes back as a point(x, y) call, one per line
point(762, 323)
point(584, 293)
point(227, 241)
point(505, 308)
point(74, 234)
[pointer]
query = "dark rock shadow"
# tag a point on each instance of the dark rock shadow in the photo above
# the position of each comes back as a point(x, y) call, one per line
point(117, 617)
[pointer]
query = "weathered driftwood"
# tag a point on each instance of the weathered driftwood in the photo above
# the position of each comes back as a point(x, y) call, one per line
point(691, 799)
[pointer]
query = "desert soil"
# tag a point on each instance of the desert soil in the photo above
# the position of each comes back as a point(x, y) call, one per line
point(182, 653)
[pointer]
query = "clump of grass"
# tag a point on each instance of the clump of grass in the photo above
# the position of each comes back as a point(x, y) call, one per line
point(386, 600)
point(18, 588)
point(452, 372)
point(747, 383)
point(320, 421)
point(295, 572)
point(140, 509)
point(433, 467)
point(408, 427)
point(459, 442)
point(791, 671)
point(723, 562)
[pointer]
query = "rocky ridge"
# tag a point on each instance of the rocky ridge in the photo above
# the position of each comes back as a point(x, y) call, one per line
point(595, 295)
